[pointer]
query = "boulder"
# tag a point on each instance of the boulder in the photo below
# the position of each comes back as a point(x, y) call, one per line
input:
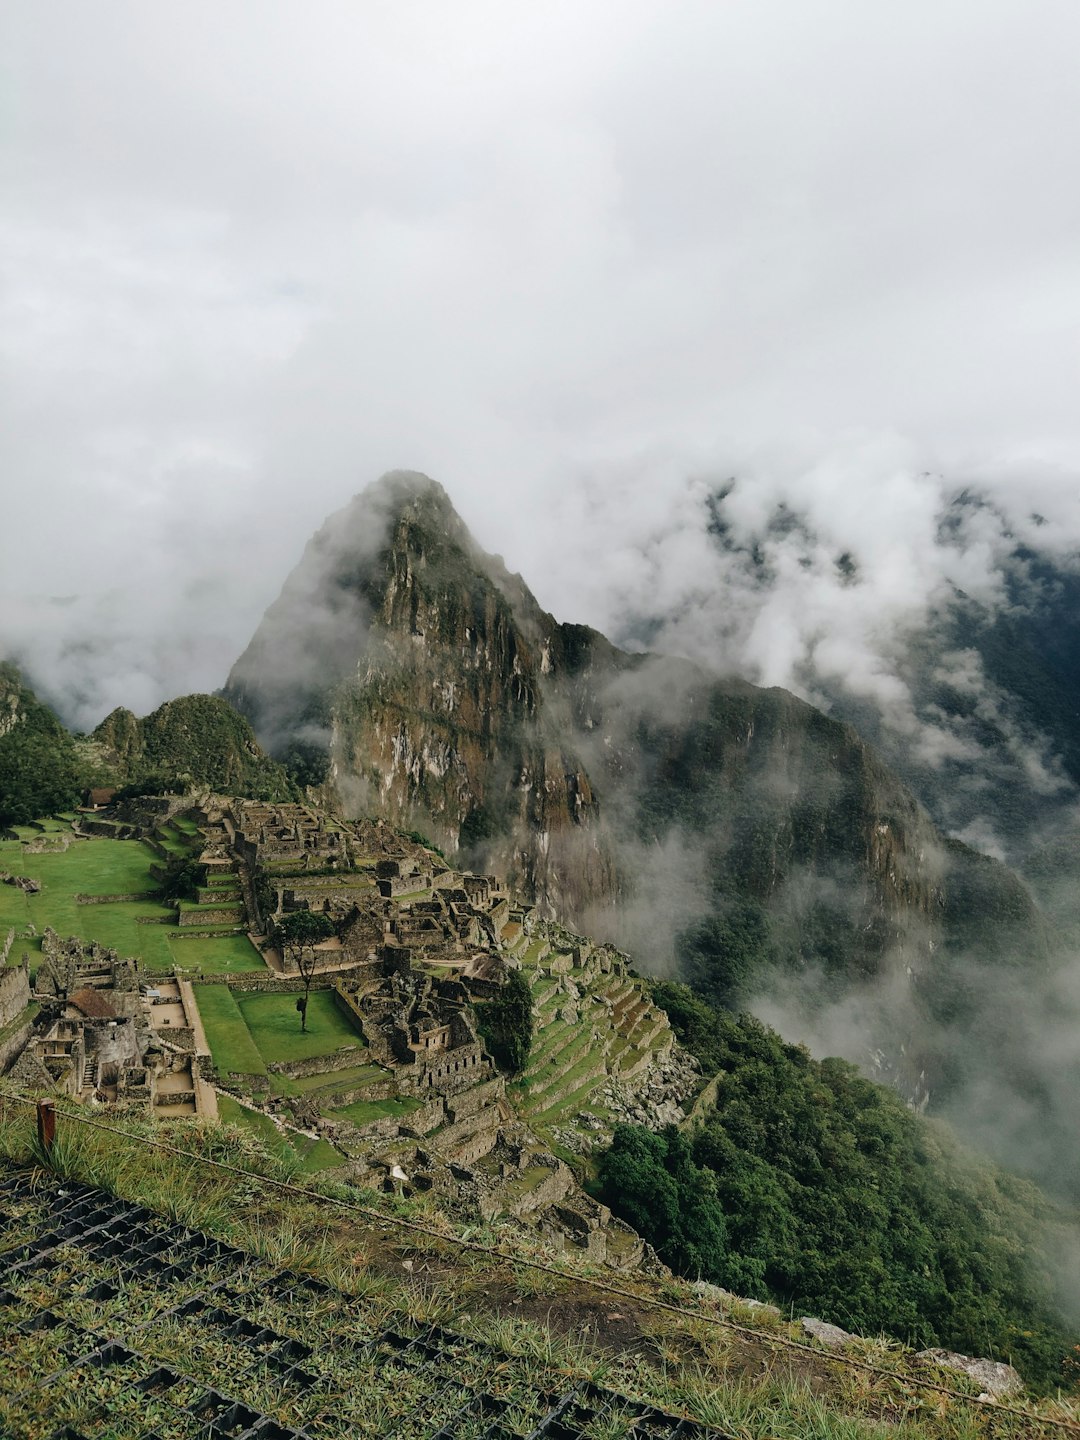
point(995, 1377)
point(831, 1336)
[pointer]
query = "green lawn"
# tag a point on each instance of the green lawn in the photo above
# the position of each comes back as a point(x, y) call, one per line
point(313, 1154)
point(227, 1034)
point(90, 867)
point(362, 1111)
point(275, 1026)
point(225, 955)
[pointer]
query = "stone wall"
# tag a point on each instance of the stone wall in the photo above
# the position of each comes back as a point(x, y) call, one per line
point(266, 983)
point(14, 991)
point(122, 899)
point(333, 1098)
point(352, 1010)
point(13, 1044)
point(5, 949)
point(421, 1122)
point(487, 1120)
point(341, 1059)
point(484, 1094)
point(223, 915)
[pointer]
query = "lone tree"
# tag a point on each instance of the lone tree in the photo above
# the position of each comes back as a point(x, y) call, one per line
point(304, 929)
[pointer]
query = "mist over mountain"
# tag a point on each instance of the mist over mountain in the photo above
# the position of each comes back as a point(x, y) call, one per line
point(940, 618)
point(731, 834)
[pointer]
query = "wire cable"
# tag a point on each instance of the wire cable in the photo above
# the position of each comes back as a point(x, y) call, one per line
point(604, 1287)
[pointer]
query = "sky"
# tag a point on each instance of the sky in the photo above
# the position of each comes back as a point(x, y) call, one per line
point(581, 263)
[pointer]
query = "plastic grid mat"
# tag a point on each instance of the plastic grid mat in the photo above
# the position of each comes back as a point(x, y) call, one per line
point(105, 1304)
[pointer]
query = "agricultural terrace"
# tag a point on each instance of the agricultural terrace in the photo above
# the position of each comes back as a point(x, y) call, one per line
point(249, 1033)
point(139, 925)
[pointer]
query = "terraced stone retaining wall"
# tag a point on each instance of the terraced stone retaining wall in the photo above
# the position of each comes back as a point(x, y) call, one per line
point(14, 988)
point(342, 1059)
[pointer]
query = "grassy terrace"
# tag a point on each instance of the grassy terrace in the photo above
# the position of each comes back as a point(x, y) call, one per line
point(231, 1043)
point(88, 867)
point(362, 1112)
point(349, 1076)
point(103, 866)
point(306, 1154)
point(492, 1327)
point(221, 955)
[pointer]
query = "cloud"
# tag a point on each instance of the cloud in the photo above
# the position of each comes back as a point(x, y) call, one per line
point(564, 261)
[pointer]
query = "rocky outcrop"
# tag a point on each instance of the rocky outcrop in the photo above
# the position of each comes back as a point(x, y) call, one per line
point(995, 1377)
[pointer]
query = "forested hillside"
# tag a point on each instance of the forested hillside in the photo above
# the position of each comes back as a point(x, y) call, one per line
point(40, 770)
point(802, 1182)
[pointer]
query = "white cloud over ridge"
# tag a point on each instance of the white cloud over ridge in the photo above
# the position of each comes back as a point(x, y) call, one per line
point(580, 265)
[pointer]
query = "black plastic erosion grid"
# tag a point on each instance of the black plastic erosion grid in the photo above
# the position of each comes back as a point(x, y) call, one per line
point(115, 1323)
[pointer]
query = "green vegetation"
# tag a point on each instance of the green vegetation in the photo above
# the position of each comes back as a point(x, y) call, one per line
point(681, 1362)
point(331, 1080)
point(40, 769)
point(182, 877)
point(223, 955)
point(305, 927)
point(271, 1020)
point(725, 953)
point(227, 1034)
point(813, 1186)
point(110, 867)
point(507, 1023)
point(362, 1112)
point(248, 1032)
point(306, 1154)
point(195, 740)
point(90, 867)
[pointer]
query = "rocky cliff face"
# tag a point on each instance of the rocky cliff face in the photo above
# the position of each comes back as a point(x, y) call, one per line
point(418, 667)
point(734, 833)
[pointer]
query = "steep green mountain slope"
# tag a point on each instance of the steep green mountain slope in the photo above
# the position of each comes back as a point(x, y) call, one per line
point(40, 769)
point(802, 1182)
point(195, 740)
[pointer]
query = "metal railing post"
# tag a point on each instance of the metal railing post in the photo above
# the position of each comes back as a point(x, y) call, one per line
point(46, 1124)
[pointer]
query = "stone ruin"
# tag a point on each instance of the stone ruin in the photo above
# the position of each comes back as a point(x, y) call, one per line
point(21, 882)
point(103, 1034)
point(266, 834)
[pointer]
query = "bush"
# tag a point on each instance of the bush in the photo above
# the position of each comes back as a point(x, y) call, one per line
point(507, 1024)
point(305, 927)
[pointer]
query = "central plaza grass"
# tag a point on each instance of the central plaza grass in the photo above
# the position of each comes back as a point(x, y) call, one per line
point(224, 955)
point(227, 1034)
point(275, 1026)
point(247, 1032)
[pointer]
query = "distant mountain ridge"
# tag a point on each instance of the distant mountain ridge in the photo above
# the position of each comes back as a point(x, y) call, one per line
point(733, 834)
